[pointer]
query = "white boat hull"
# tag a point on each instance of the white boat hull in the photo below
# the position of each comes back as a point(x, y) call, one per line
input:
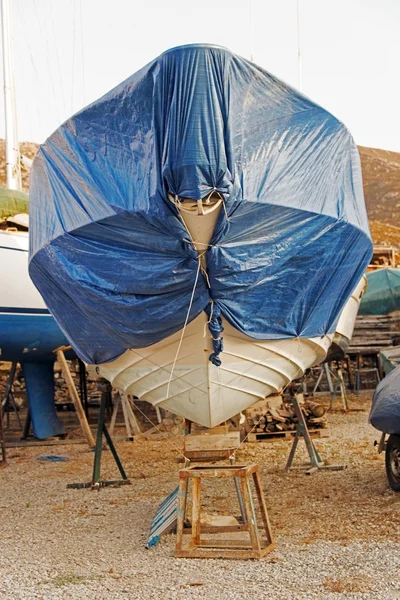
point(17, 289)
point(28, 332)
point(202, 392)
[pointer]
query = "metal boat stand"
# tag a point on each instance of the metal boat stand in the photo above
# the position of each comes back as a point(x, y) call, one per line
point(335, 383)
point(96, 483)
point(2, 442)
point(8, 397)
point(316, 462)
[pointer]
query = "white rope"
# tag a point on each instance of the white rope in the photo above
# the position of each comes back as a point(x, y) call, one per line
point(209, 320)
point(184, 327)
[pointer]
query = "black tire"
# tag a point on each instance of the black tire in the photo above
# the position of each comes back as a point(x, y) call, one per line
point(392, 461)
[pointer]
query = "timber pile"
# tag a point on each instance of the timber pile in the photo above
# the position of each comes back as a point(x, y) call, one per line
point(61, 393)
point(272, 417)
point(373, 333)
point(18, 387)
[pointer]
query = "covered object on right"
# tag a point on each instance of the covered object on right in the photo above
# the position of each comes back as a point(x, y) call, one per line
point(385, 410)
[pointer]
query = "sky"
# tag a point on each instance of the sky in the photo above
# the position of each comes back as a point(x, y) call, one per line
point(67, 53)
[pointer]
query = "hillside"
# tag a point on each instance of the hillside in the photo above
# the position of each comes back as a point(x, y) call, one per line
point(29, 150)
point(381, 177)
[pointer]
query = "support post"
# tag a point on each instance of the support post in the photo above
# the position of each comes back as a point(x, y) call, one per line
point(2, 442)
point(8, 397)
point(83, 386)
point(302, 430)
point(75, 396)
point(96, 482)
point(131, 423)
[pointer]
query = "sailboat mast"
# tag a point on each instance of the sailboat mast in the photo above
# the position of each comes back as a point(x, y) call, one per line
point(13, 171)
point(299, 66)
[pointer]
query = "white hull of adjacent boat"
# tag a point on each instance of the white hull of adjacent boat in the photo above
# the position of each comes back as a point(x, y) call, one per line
point(17, 290)
point(196, 389)
point(345, 326)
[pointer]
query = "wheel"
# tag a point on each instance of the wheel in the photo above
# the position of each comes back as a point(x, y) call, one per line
point(392, 460)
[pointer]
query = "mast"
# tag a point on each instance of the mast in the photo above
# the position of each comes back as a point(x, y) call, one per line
point(13, 170)
point(298, 48)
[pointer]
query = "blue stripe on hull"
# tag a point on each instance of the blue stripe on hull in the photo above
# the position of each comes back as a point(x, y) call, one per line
point(29, 337)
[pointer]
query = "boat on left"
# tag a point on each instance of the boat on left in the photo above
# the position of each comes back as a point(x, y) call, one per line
point(28, 333)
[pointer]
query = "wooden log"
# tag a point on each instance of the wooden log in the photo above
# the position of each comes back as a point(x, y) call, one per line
point(316, 409)
point(274, 414)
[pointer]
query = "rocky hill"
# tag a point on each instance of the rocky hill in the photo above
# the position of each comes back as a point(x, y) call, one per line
point(381, 177)
point(29, 150)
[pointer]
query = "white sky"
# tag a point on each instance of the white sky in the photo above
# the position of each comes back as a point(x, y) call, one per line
point(67, 53)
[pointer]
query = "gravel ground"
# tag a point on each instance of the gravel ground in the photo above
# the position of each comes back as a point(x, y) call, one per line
point(337, 533)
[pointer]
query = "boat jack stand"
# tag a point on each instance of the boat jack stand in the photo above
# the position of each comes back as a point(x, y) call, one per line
point(2, 442)
point(8, 400)
point(96, 482)
point(316, 462)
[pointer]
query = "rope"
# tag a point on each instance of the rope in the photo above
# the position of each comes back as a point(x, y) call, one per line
point(184, 327)
point(209, 319)
point(156, 427)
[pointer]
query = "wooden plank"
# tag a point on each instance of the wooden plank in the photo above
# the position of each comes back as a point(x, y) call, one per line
point(218, 529)
point(219, 429)
point(251, 518)
point(75, 397)
point(134, 423)
point(276, 436)
point(231, 553)
point(226, 441)
point(180, 513)
point(207, 455)
point(263, 507)
point(196, 510)
point(365, 349)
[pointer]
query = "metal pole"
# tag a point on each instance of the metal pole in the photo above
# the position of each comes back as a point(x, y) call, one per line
point(298, 48)
point(99, 442)
point(13, 171)
point(2, 441)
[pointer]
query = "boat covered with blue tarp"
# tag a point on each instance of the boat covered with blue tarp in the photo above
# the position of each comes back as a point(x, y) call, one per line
point(116, 261)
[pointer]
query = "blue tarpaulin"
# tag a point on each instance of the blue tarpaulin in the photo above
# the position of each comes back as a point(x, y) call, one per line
point(110, 254)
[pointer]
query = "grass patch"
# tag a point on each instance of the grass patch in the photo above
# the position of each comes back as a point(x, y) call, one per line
point(66, 579)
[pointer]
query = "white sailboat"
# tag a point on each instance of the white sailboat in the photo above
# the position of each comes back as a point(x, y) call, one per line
point(19, 299)
point(28, 332)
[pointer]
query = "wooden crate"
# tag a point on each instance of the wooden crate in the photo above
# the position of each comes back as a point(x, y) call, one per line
point(210, 445)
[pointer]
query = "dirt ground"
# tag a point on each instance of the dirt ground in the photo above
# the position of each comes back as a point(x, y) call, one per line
point(337, 532)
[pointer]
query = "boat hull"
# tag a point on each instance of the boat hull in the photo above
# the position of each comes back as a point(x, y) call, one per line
point(345, 326)
point(28, 333)
point(177, 374)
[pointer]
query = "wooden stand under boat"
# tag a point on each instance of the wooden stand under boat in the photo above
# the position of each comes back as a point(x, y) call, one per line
point(197, 547)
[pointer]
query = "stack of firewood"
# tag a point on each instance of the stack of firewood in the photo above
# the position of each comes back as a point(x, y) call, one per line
point(268, 417)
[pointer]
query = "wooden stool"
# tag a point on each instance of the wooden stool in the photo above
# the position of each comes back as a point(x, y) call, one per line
point(223, 548)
